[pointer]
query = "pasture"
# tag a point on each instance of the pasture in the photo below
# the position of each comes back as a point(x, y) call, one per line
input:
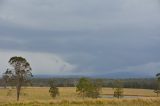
point(39, 96)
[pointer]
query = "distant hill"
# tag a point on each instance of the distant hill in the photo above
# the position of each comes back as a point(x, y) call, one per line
point(122, 75)
point(56, 76)
point(114, 75)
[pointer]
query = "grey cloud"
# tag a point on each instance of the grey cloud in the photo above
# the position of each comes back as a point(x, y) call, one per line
point(97, 36)
point(78, 14)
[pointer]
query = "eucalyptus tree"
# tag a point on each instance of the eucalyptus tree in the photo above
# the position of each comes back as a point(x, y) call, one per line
point(157, 90)
point(20, 73)
point(88, 88)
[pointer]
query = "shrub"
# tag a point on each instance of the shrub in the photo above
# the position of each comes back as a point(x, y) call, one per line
point(54, 91)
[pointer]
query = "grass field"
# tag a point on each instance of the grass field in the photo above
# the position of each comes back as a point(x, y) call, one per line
point(39, 96)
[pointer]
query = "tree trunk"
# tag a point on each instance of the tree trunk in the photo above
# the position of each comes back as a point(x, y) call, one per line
point(18, 89)
point(5, 85)
point(83, 95)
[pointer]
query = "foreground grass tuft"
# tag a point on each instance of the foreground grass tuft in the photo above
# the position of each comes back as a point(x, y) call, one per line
point(94, 102)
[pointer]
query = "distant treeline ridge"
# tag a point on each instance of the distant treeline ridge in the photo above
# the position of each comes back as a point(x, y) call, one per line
point(148, 83)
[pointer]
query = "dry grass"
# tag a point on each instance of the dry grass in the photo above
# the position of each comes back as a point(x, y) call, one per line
point(90, 102)
point(134, 92)
point(39, 96)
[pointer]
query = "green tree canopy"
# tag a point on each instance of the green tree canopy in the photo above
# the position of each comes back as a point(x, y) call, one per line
point(87, 88)
point(19, 73)
point(118, 89)
point(54, 91)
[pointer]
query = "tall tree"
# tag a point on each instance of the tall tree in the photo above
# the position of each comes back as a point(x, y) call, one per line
point(20, 72)
point(157, 90)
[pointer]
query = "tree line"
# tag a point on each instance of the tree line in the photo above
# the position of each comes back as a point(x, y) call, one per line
point(143, 83)
point(148, 83)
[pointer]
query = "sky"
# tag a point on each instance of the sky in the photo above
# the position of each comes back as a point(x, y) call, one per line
point(84, 37)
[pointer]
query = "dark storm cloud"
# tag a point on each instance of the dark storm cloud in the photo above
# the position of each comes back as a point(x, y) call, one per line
point(98, 36)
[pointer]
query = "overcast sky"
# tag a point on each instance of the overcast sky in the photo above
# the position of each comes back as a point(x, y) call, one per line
point(88, 37)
